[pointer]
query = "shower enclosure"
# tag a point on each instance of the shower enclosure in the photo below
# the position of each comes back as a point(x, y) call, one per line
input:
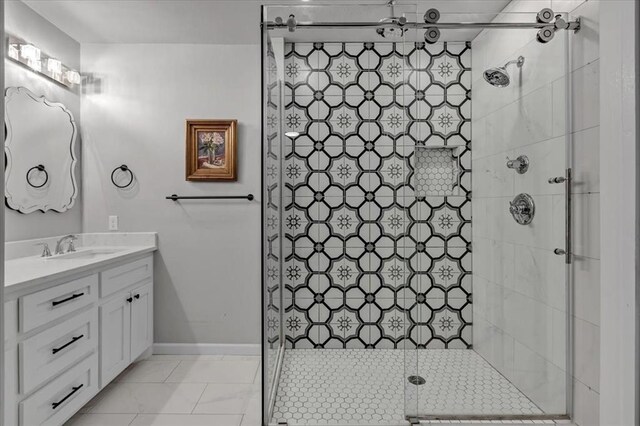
point(416, 229)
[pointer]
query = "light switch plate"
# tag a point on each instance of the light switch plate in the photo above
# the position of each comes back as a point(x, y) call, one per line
point(113, 223)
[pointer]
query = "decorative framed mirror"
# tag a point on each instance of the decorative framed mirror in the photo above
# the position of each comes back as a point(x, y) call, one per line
point(40, 153)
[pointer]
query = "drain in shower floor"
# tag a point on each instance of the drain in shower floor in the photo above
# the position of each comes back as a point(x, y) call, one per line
point(416, 380)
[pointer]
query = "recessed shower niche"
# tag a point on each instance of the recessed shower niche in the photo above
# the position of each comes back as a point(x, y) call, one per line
point(437, 171)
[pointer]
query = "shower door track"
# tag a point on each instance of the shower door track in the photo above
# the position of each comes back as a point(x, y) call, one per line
point(572, 25)
point(487, 417)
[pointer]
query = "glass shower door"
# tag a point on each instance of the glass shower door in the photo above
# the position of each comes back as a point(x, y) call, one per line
point(435, 145)
point(272, 251)
point(410, 281)
point(488, 325)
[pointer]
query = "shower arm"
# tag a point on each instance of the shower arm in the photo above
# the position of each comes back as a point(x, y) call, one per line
point(519, 62)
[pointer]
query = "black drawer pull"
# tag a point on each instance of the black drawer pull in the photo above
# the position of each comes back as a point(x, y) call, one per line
point(129, 299)
point(75, 296)
point(137, 296)
point(74, 390)
point(71, 342)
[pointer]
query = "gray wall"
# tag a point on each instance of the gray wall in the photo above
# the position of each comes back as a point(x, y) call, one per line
point(207, 282)
point(23, 22)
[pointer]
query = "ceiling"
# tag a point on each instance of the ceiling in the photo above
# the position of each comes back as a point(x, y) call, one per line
point(236, 22)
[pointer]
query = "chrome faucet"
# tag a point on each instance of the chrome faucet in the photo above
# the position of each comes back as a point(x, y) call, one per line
point(45, 250)
point(61, 241)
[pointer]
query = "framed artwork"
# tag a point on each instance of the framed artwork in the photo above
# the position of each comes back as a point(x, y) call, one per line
point(211, 150)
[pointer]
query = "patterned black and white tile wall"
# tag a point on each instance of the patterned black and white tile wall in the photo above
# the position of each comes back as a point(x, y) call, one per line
point(377, 195)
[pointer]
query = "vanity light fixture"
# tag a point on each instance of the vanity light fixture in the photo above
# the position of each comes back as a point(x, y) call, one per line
point(54, 66)
point(73, 77)
point(29, 52)
point(13, 52)
point(32, 57)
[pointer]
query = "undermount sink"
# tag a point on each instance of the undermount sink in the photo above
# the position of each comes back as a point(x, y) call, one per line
point(84, 254)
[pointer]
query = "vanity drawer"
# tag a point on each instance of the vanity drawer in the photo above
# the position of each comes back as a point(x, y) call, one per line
point(55, 349)
point(118, 278)
point(59, 400)
point(47, 305)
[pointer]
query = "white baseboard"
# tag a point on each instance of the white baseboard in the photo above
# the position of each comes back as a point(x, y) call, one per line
point(205, 349)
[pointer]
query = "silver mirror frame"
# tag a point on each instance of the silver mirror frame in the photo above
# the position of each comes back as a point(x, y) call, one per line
point(13, 182)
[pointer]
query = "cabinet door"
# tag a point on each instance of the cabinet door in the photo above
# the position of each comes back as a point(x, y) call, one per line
point(115, 337)
point(141, 320)
point(11, 385)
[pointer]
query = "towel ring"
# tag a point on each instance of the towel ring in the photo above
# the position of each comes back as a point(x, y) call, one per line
point(124, 168)
point(41, 168)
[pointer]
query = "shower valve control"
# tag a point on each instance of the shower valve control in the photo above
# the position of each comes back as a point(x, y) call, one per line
point(520, 164)
point(522, 208)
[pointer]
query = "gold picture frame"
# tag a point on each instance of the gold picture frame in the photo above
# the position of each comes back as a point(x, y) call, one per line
point(211, 151)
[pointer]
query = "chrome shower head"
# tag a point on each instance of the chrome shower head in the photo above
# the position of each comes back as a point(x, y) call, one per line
point(499, 77)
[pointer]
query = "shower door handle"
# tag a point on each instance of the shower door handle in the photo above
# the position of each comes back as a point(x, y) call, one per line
point(567, 210)
point(567, 221)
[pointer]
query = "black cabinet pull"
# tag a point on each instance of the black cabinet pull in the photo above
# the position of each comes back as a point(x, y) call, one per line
point(74, 390)
point(137, 296)
point(71, 342)
point(75, 296)
point(130, 299)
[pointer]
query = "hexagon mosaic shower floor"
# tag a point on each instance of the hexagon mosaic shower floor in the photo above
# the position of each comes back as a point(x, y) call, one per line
point(366, 387)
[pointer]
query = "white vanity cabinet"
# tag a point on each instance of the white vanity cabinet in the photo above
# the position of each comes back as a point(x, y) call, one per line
point(115, 337)
point(125, 330)
point(68, 338)
point(141, 320)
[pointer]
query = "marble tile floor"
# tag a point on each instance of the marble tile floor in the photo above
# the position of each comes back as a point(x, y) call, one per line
point(368, 387)
point(184, 390)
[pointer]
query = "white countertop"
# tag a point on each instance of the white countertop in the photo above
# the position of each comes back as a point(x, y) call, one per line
point(27, 272)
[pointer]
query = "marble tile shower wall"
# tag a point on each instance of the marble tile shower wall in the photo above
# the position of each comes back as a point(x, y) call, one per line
point(370, 261)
